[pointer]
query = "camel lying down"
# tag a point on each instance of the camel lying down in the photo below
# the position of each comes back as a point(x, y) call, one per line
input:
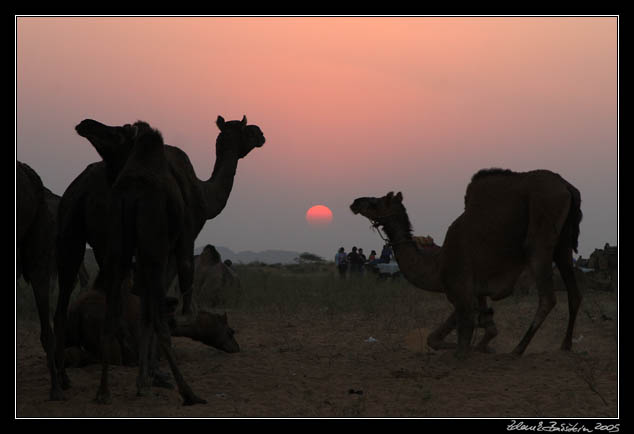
point(87, 313)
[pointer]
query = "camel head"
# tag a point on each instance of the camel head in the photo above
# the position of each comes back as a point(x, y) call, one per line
point(238, 136)
point(215, 332)
point(378, 209)
point(210, 255)
point(112, 143)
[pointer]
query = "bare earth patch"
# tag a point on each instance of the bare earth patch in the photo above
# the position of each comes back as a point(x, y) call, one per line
point(312, 363)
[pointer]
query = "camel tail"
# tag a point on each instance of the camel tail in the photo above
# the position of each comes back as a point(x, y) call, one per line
point(574, 217)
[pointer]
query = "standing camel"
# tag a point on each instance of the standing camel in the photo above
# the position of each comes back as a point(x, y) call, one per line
point(512, 221)
point(34, 243)
point(146, 219)
point(84, 204)
point(52, 201)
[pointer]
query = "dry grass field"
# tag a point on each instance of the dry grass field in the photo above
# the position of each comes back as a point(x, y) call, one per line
point(313, 345)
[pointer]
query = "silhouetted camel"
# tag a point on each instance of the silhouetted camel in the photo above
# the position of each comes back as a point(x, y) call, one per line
point(84, 204)
point(147, 220)
point(34, 245)
point(512, 221)
point(213, 279)
point(52, 201)
point(85, 320)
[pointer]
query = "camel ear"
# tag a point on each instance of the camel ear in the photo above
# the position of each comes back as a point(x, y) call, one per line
point(389, 196)
point(220, 122)
point(244, 121)
point(399, 197)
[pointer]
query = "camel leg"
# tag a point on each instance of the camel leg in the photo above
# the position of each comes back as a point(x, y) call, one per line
point(185, 262)
point(143, 286)
point(185, 268)
point(108, 347)
point(563, 259)
point(149, 374)
point(143, 379)
point(547, 301)
point(84, 277)
point(485, 320)
point(436, 339)
point(465, 325)
point(112, 326)
point(107, 343)
point(159, 378)
point(187, 300)
point(37, 265)
point(153, 286)
point(40, 282)
point(189, 398)
point(548, 214)
point(164, 339)
point(69, 258)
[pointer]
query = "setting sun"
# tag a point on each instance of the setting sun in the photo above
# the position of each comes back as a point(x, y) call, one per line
point(319, 215)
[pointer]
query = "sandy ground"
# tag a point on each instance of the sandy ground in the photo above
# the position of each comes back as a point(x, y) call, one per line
point(316, 364)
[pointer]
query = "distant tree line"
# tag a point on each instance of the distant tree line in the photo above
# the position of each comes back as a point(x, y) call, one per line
point(309, 258)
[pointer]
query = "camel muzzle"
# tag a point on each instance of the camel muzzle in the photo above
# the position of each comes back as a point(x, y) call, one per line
point(357, 207)
point(89, 127)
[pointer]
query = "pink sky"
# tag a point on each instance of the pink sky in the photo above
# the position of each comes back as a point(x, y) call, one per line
point(350, 107)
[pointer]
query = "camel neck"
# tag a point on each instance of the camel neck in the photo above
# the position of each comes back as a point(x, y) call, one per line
point(217, 189)
point(419, 266)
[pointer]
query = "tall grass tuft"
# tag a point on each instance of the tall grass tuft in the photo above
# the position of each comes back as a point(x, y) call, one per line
point(312, 286)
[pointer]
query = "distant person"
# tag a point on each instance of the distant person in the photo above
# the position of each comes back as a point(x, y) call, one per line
point(228, 263)
point(362, 259)
point(372, 257)
point(386, 254)
point(341, 262)
point(354, 260)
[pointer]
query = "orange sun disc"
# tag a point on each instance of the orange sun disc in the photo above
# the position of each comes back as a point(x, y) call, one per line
point(319, 215)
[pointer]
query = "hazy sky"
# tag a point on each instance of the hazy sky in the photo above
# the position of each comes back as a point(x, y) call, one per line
point(350, 107)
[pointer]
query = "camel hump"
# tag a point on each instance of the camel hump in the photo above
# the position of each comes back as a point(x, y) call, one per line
point(148, 140)
point(36, 184)
point(30, 173)
point(494, 171)
point(149, 136)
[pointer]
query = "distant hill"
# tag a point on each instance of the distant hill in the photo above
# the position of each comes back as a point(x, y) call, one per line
point(247, 256)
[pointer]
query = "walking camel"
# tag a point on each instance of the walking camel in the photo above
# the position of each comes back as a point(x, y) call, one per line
point(511, 221)
point(34, 244)
point(85, 202)
point(147, 219)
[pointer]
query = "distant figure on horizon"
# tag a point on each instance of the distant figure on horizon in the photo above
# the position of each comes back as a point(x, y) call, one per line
point(386, 254)
point(354, 260)
point(362, 260)
point(341, 262)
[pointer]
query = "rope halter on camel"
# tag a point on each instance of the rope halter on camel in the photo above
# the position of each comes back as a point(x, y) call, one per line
point(376, 223)
point(375, 226)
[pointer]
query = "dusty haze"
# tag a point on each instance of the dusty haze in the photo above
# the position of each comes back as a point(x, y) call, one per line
point(350, 107)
